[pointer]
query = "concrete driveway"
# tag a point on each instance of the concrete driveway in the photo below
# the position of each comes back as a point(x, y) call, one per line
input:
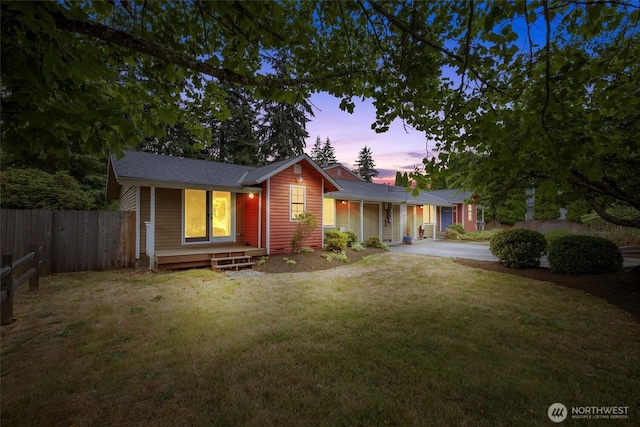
point(479, 251)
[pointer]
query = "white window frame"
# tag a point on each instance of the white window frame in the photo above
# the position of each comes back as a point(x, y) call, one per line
point(304, 201)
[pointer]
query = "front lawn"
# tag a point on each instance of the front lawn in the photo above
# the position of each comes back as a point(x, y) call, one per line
point(394, 339)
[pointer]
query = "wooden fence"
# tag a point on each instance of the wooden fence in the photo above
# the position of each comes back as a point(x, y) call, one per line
point(72, 240)
point(9, 284)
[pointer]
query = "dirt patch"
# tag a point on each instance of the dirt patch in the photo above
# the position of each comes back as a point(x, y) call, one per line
point(620, 289)
point(311, 261)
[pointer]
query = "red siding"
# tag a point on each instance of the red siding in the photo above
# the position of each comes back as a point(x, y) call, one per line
point(341, 172)
point(251, 218)
point(281, 227)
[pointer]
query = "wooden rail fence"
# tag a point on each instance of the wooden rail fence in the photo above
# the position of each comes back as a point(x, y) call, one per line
point(9, 284)
point(72, 240)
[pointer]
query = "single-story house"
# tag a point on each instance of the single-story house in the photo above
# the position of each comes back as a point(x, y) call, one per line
point(460, 212)
point(189, 211)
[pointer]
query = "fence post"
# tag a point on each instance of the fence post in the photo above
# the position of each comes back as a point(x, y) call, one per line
point(34, 280)
point(6, 318)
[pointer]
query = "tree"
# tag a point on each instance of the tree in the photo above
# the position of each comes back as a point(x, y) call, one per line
point(545, 91)
point(283, 128)
point(235, 139)
point(402, 180)
point(365, 165)
point(323, 154)
point(36, 189)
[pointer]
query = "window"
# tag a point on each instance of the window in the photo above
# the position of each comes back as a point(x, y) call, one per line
point(195, 215)
point(296, 199)
point(470, 212)
point(221, 208)
point(208, 215)
point(328, 212)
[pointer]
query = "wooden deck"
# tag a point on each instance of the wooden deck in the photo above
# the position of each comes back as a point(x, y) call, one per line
point(200, 256)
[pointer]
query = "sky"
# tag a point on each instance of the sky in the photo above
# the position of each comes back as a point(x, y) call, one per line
point(398, 149)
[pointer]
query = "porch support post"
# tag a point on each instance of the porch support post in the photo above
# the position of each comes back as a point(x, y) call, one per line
point(362, 220)
point(260, 195)
point(151, 230)
point(268, 219)
point(138, 206)
point(462, 214)
point(436, 220)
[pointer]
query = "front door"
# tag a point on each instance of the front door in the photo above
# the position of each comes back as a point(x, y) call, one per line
point(446, 218)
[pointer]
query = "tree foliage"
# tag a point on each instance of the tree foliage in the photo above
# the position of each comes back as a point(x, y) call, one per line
point(365, 166)
point(542, 91)
point(36, 189)
point(323, 154)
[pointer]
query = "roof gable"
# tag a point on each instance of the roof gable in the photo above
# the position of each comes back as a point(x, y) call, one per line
point(258, 175)
point(339, 171)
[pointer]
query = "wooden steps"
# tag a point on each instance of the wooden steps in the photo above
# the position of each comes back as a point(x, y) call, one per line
point(231, 260)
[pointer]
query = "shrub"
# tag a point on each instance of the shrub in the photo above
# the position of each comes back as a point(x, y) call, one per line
point(458, 227)
point(358, 247)
point(518, 248)
point(262, 261)
point(351, 238)
point(451, 233)
point(335, 240)
point(307, 250)
point(340, 256)
point(307, 223)
point(290, 261)
point(576, 254)
point(374, 242)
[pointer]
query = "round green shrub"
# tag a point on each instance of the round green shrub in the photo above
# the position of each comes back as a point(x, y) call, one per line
point(576, 254)
point(518, 247)
point(457, 227)
point(335, 240)
point(351, 238)
point(451, 233)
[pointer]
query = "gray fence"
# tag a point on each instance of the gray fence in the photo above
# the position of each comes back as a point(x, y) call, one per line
point(72, 240)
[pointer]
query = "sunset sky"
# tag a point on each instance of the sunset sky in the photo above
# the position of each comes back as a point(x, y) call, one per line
point(396, 150)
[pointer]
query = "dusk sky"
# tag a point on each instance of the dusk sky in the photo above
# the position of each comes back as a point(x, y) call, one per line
point(395, 150)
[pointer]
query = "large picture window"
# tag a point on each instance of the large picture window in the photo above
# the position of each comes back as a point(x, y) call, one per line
point(297, 201)
point(329, 212)
point(208, 215)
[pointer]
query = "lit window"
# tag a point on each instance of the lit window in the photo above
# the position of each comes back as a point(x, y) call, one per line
point(199, 206)
point(297, 201)
point(221, 217)
point(470, 212)
point(195, 215)
point(329, 212)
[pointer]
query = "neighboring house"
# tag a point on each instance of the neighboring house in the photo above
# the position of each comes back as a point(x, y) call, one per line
point(460, 213)
point(188, 211)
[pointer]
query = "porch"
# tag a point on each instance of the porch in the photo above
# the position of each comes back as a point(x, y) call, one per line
point(200, 256)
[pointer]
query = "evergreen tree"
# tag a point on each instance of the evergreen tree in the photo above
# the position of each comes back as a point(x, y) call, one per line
point(284, 125)
point(365, 165)
point(235, 139)
point(323, 155)
point(402, 180)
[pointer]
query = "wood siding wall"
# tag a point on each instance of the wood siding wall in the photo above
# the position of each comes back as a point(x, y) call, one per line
point(251, 219)
point(128, 198)
point(72, 240)
point(281, 226)
point(168, 218)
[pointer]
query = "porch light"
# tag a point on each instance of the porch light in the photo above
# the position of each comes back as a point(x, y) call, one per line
point(344, 202)
point(299, 179)
point(251, 196)
point(420, 206)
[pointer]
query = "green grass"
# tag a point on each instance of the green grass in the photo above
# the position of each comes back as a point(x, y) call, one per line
point(394, 339)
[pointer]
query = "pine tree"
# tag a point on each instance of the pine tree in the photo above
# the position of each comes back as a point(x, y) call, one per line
point(235, 139)
point(328, 154)
point(284, 125)
point(323, 155)
point(365, 165)
point(402, 180)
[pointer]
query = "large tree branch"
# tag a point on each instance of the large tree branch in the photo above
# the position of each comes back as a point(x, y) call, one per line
point(604, 189)
point(610, 218)
point(171, 56)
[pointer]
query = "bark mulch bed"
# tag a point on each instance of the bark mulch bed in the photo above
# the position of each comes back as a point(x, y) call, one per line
point(620, 289)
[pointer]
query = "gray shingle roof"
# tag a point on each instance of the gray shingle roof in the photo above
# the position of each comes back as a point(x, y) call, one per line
point(178, 170)
point(452, 195)
point(368, 191)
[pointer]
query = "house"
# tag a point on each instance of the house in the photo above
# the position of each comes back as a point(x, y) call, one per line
point(460, 211)
point(189, 211)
